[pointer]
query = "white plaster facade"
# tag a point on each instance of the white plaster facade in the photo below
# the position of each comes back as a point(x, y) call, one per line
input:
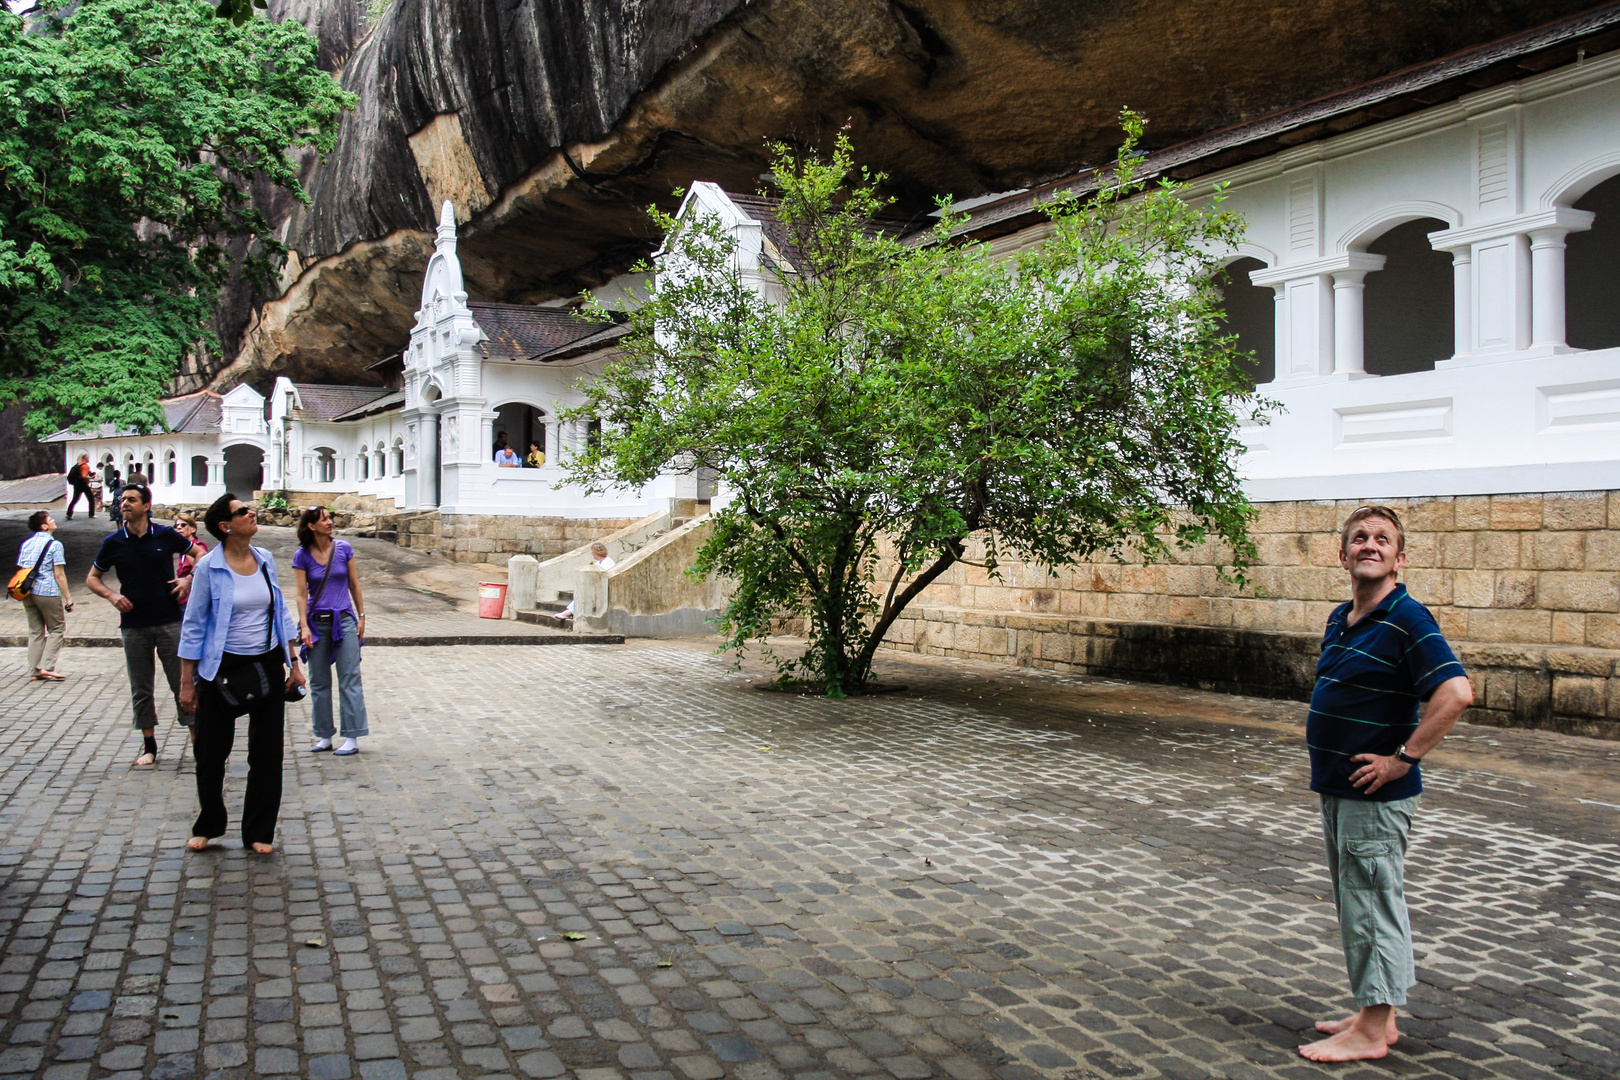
point(213, 439)
point(452, 399)
point(1513, 407)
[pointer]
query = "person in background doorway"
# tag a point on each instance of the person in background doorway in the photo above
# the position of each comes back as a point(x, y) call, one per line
point(332, 624)
point(500, 443)
point(149, 601)
point(112, 494)
point(507, 458)
point(239, 631)
point(535, 458)
point(79, 480)
point(47, 605)
point(108, 475)
point(599, 559)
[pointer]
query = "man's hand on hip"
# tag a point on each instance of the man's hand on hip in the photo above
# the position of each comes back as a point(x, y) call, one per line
point(1376, 771)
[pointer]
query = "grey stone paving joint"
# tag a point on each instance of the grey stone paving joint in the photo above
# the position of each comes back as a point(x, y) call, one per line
point(612, 863)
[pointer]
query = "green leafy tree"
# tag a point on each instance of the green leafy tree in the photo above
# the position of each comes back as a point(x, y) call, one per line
point(132, 133)
point(878, 403)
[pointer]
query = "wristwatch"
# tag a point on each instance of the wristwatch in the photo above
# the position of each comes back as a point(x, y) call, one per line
point(1404, 756)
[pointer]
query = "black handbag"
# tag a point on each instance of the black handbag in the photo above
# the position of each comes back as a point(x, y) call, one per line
point(244, 685)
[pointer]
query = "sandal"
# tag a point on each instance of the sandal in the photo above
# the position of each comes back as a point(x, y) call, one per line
point(52, 676)
point(146, 759)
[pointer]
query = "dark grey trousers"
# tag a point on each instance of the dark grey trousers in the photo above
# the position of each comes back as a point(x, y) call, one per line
point(141, 645)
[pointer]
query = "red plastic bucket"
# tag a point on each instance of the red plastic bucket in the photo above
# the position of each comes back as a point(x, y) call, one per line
point(491, 599)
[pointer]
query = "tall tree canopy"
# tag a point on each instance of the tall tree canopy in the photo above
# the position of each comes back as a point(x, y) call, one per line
point(879, 402)
point(131, 134)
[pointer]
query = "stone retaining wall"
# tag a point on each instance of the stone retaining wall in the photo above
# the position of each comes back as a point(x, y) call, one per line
point(1526, 587)
point(483, 538)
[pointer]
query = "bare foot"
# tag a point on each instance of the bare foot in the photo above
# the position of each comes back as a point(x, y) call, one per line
point(146, 759)
point(1350, 1045)
point(197, 843)
point(1333, 1027)
point(263, 849)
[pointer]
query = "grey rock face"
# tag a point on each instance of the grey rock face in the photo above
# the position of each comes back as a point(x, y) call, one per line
point(551, 123)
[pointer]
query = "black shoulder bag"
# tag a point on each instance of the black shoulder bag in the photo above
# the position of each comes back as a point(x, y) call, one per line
point(245, 684)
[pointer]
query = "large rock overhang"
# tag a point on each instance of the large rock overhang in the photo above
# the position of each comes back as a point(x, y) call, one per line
point(552, 123)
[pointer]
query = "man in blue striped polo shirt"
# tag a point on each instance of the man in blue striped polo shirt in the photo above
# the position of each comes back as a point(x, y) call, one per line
point(1383, 657)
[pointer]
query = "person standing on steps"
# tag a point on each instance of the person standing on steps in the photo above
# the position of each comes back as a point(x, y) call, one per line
point(1383, 658)
point(332, 625)
point(237, 656)
point(46, 606)
point(79, 480)
point(148, 602)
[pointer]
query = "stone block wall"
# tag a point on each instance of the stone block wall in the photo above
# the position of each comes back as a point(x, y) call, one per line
point(491, 538)
point(1526, 587)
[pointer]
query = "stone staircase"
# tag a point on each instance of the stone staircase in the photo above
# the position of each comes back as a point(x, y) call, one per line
point(537, 592)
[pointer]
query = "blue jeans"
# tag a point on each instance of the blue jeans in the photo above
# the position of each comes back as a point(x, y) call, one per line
point(350, 689)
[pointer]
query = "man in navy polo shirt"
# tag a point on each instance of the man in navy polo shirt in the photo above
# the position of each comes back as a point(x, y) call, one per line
point(148, 602)
point(1382, 657)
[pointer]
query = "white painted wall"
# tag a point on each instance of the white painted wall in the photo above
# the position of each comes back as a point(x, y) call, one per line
point(1514, 408)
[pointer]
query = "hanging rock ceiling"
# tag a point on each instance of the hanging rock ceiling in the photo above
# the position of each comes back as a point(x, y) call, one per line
point(551, 123)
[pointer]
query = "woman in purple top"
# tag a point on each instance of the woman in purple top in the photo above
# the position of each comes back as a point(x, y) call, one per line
point(332, 622)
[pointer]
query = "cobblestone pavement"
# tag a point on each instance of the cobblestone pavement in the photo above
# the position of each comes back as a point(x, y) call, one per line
point(408, 593)
point(625, 862)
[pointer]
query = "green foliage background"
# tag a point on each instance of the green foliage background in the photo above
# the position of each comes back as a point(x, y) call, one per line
point(872, 401)
point(131, 132)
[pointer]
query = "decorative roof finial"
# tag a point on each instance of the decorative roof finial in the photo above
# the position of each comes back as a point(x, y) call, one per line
point(447, 226)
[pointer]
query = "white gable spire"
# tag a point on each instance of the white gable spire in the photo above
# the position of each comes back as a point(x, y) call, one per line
point(442, 284)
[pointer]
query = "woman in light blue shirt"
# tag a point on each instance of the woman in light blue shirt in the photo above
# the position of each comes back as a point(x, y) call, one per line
point(48, 604)
point(237, 656)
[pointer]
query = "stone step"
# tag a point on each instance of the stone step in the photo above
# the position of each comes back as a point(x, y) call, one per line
point(540, 617)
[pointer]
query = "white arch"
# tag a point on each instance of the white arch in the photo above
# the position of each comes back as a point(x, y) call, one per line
point(1376, 224)
point(1568, 189)
point(1247, 250)
point(541, 409)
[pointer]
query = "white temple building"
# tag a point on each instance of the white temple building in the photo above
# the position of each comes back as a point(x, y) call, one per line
point(472, 372)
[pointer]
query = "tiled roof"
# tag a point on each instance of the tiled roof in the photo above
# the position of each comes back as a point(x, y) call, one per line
point(526, 332)
point(32, 489)
point(331, 402)
point(601, 339)
point(191, 414)
point(762, 208)
point(391, 400)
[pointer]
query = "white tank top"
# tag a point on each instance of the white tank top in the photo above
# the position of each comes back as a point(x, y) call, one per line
point(249, 634)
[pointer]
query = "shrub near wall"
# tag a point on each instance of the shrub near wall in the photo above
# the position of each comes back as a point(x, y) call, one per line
point(1526, 587)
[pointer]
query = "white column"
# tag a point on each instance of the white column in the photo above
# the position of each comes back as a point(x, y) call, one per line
point(1279, 333)
point(1547, 287)
point(1349, 328)
point(1462, 301)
